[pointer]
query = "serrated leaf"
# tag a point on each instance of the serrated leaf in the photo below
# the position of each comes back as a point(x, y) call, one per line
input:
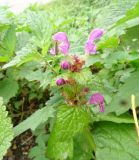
point(8, 89)
point(22, 40)
point(121, 29)
point(38, 152)
point(82, 77)
point(9, 41)
point(115, 141)
point(41, 28)
point(69, 122)
point(44, 78)
point(24, 55)
point(6, 133)
point(111, 13)
point(122, 100)
point(32, 122)
point(34, 71)
point(131, 13)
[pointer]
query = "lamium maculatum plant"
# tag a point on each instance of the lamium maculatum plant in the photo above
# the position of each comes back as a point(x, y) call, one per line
point(75, 87)
point(75, 94)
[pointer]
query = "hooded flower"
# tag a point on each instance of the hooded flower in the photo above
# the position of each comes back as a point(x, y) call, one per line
point(97, 99)
point(62, 43)
point(65, 65)
point(60, 81)
point(95, 34)
point(90, 46)
point(60, 37)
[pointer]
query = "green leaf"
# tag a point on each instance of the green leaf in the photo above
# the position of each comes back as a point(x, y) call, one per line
point(32, 74)
point(131, 38)
point(109, 14)
point(118, 57)
point(8, 89)
point(5, 16)
point(122, 100)
point(109, 42)
point(41, 28)
point(9, 41)
point(32, 122)
point(6, 133)
point(69, 122)
point(92, 59)
point(7, 44)
point(129, 20)
point(23, 38)
point(131, 14)
point(38, 152)
point(24, 55)
point(82, 77)
point(82, 150)
point(120, 29)
point(115, 141)
point(113, 118)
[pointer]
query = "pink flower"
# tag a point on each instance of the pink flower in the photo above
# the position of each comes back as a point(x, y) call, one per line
point(90, 46)
point(95, 34)
point(60, 37)
point(65, 65)
point(64, 48)
point(60, 81)
point(62, 42)
point(97, 99)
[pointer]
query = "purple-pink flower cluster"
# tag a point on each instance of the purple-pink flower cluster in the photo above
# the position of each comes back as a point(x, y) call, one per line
point(62, 45)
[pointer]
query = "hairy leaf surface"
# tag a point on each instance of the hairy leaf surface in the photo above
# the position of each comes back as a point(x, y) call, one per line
point(69, 122)
point(116, 141)
point(6, 133)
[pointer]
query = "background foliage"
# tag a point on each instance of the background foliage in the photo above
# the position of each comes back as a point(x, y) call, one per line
point(28, 73)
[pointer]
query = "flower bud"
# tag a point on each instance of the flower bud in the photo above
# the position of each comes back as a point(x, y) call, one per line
point(65, 65)
point(86, 89)
point(60, 81)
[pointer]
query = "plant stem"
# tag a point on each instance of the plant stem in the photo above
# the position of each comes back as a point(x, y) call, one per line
point(51, 68)
point(135, 114)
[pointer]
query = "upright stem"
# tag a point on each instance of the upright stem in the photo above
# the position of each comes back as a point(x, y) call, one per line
point(135, 114)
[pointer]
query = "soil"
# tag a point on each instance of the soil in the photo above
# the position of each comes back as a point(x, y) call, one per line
point(22, 144)
point(20, 147)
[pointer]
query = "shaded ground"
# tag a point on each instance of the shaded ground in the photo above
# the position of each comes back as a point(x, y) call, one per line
point(20, 147)
point(22, 144)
